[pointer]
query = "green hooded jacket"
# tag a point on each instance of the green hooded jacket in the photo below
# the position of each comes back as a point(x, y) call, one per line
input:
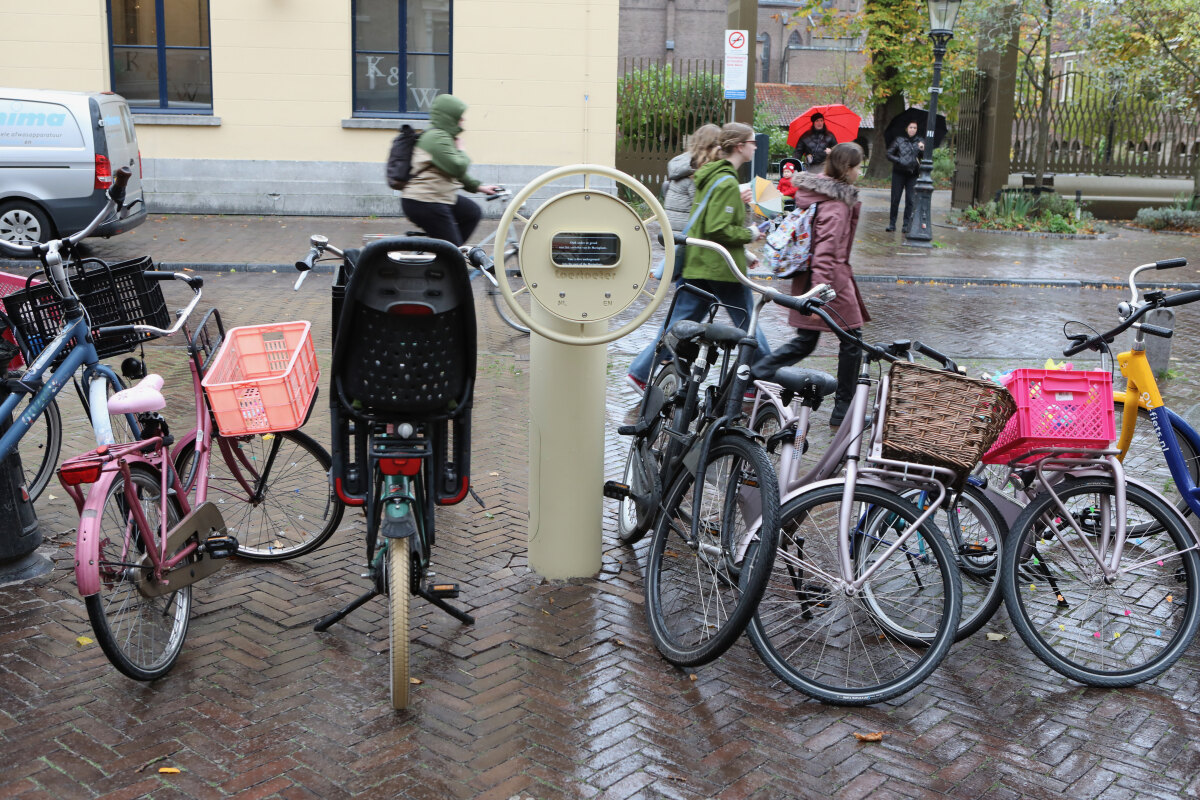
point(723, 221)
point(436, 148)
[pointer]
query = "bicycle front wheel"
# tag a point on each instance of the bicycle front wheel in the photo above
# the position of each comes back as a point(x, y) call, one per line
point(512, 273)
point(1102, 631)
point(855, 648)
point(276, 514)
point(1145, 461)
point(399, 562)
point(142, 636)
point(700, 593)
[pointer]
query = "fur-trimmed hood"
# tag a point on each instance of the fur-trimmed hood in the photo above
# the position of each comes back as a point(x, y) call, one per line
point(818, 183)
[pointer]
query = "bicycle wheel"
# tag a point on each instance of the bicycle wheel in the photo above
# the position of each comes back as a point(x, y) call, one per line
point(841, 648)
point(975, 532)
point(635, 514)
point(767, 423)
point(696, 605)
point(142, 636)
point(39, 449)
point(512, 273)
point(1115, 632)
point(399, 589)
point(294, 512)
point(1145, 461)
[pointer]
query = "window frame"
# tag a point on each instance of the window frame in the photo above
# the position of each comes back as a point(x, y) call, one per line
point(402, 59)
point(160, 53)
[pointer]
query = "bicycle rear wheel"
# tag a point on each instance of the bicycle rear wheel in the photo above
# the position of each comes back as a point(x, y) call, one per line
point(293, 512)
point(699, 594)
point(142, 636)
point(1116, 632)
point(845, 649)
point(399, 563)
point(511, 273)
point(643, 465)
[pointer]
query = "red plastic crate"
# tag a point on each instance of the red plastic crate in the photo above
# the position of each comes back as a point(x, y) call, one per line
point(263, 378)
point(10, 283)
point(1056, 408)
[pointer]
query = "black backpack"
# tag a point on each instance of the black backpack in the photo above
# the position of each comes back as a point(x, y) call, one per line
point(399, 163)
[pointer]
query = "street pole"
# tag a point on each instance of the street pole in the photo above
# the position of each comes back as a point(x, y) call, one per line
point(920, 232)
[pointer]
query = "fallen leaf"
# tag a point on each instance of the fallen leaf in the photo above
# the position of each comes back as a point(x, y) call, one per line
point(544, 611)
point(183, 240)
point(168, 770)
point(84, 641)
point(996, 637)
point(51, 497)
point(494, 474)
point(692, 677)
point(489, 515)
point(415, 681)
point(620, 642)
point(877, 736)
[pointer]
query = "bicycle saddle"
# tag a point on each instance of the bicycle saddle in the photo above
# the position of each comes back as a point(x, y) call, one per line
point(722, 335)
point(139, 398)
point(810, 384)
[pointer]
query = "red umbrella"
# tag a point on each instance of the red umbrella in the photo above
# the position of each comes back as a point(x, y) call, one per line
point(839, 120)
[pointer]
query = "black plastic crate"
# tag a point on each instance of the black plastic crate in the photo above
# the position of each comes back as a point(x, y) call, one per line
point(116, 294)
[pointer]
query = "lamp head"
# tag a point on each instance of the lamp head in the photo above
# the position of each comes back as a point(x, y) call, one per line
point(942, 15)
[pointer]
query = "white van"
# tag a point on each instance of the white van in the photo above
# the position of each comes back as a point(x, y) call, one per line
point(58, 152)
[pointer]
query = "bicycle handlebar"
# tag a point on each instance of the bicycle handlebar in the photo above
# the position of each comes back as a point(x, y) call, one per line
point(1170, 263)
point(194, 282)
point(818, 295)
point(927, 351)
point(1132, 314)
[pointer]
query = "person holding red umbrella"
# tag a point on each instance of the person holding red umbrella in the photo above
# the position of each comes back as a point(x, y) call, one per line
point(814, 146)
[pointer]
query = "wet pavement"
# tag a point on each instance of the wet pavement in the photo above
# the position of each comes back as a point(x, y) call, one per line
point(557, 691)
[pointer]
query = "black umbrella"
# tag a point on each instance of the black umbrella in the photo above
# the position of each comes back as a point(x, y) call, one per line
point(921, 117)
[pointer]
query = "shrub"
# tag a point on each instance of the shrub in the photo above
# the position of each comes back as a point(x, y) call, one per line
point(1175, 219)
point(658, 107)
point(1024, 211)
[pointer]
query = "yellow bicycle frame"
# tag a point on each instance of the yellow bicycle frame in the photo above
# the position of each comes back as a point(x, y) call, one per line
point(1141, 385)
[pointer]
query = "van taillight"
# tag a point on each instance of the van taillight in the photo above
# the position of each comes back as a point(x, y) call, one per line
point(139, 165)
point(104, 176)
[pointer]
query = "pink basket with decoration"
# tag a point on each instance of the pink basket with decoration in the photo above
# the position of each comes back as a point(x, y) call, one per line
point(262, 379)
point(10, 283)
point(1056, 408)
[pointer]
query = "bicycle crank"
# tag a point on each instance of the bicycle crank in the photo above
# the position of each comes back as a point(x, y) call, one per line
point(205, 523)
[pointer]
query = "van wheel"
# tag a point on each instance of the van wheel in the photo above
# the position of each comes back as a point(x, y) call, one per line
point(24, 223)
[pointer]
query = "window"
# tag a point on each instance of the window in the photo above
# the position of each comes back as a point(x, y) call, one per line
point(160, 55)
point(401, 56)
point(764, 43)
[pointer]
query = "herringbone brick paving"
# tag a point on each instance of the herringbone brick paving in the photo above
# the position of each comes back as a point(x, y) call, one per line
point(557, 691)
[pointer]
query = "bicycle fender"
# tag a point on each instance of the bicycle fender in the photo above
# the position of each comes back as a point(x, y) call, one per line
point(87, 540)
point(862, 481)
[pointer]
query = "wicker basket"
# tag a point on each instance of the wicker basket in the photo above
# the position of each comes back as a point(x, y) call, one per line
point(942, 419)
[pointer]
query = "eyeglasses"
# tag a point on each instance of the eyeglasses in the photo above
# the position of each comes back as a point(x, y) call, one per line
point(748, 141)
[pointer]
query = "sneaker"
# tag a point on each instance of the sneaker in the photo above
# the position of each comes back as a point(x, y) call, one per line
point(890, 229)
point(639, 386)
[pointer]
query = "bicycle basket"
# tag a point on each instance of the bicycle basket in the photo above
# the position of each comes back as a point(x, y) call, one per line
point(1056, 408)
point(940, 418)
point(112, 295)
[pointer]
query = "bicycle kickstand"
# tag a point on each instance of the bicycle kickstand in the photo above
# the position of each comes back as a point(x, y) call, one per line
point(337, 616)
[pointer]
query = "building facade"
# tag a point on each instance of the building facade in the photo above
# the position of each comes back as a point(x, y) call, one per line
point(262, 106)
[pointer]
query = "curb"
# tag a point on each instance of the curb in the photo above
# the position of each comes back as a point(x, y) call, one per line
point(1091, 237)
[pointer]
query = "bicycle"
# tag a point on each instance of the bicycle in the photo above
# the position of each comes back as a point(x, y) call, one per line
point(1101, 576)
point(400, 403)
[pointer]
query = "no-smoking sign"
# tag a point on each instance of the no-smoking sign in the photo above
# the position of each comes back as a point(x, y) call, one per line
point(737, 58)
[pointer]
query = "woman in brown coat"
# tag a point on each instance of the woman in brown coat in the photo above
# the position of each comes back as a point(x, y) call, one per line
point(833, 234)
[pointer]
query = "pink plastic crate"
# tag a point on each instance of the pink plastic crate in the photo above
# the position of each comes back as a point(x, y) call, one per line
point(263, 378)
point(1056, 408)
point(10, 283)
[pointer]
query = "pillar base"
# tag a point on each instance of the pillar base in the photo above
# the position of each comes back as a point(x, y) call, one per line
point(28, 567)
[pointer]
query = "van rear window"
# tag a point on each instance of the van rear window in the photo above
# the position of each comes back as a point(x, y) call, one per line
point(28, 123)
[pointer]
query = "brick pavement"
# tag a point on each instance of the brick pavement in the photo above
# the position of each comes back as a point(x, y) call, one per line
point(557, 691)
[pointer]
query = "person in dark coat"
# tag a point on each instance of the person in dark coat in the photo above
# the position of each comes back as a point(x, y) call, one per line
point(905, 154)
point(814, 146)
point(833, 234)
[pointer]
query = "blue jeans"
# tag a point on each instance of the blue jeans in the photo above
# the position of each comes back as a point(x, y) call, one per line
point(737, 300)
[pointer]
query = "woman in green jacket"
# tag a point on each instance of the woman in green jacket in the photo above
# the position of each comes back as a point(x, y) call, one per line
point(439, 170)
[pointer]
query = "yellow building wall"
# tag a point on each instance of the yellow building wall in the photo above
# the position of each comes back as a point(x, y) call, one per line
point(539, 76)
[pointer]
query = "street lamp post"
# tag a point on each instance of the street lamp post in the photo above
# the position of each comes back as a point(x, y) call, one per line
point(942, 14)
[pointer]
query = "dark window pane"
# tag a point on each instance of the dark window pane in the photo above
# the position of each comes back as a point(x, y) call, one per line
point(189, 82)
point(186, 22)
point(377, 25)
point(429, 26)
point(135, 75)
point(428, 76)
point(376, 83)
point(133, 22)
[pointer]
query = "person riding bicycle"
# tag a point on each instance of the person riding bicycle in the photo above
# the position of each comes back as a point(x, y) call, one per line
point(439, 169)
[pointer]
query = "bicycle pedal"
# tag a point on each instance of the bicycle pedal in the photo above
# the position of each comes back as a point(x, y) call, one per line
point(445, 591)
point(975, 549)
point(616, 491)
point(220, 546)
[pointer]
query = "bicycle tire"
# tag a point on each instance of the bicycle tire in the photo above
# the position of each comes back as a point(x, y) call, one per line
point(829, 645)
point(738, 477)
point(142, 636)
point(766, 423)
point(39, 449)
point(1102, 633)
point(977, 551)
point(643, 467)
point(1145, 461)
point(298, 511)
point(399, 590)
point(511, 273)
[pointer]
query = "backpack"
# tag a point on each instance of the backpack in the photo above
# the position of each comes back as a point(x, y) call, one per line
point(788, 248)
point(399, 163)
